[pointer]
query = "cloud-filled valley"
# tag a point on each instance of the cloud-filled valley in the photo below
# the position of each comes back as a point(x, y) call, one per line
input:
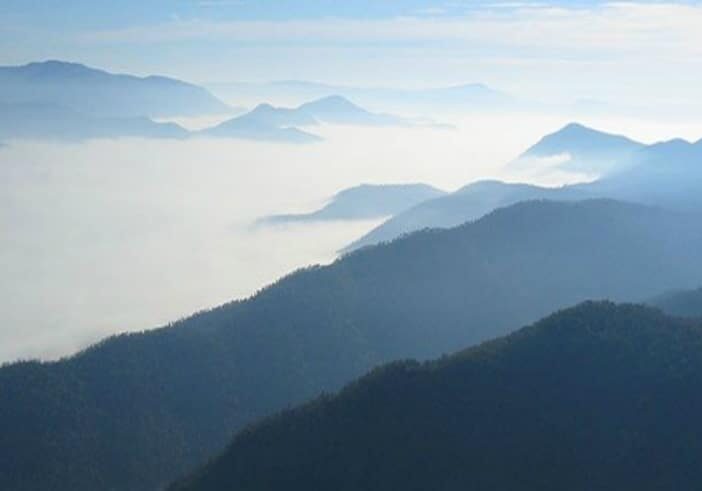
point(172, 219)
point(418, 244)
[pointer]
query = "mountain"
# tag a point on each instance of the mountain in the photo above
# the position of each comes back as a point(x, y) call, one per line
point(338, 110)
point(684, 303)
point(36, 120)
point(267, 115)
point(254, 130)
point(665, 174)
point(467, 204)
point(459, 98)
point(101, 94)
point(137, 410)
point(266, 122)
point(364, 202)
point(599, 396)
point(587, 150)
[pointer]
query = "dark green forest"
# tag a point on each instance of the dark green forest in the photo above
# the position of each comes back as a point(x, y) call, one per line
point(600, 396)
point(136, 410)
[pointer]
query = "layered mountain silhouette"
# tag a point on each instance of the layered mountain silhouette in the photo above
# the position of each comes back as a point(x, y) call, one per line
point(135, 410)
point(60, 100)
point(102, 94)
point(364, 202)
point(584, 150)
point(339, 110)
point(458, 98)
point(600, 396)
point(467, 204)
point(266, 122)
point(684, 303)
point(667, 174)
point(48, 121)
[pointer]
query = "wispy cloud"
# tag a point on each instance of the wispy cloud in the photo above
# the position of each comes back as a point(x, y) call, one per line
point(615, 28)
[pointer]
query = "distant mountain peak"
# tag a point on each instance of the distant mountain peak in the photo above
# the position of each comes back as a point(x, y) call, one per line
point(589, 150)
point(674, 143)
point(56, 63)
point(263, 107)
point(101, 93)
point(575, 126)
point(335, 103)
point(58, 68)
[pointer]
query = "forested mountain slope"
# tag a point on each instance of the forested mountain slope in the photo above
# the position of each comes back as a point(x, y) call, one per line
point(599, 396)
point(137, 410)
point(467, 204)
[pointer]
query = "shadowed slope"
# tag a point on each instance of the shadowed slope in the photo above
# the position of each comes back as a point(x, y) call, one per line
point(596, 397)
point(136, 410)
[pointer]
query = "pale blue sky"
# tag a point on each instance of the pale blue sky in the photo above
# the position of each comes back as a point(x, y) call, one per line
point(641, 50)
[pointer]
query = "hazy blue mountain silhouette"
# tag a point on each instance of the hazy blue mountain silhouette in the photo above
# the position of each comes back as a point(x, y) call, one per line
point(589, 150)
point(666, 174)
point(254, 130)
point(364, 202)
point(267, 115)
point(266, 122)
point(137, 410)
point(36, 120)
point(459, 98)
point(468, 203)
point(339, 110)
point(99, 93)
point(684, 303)
point(599, 396)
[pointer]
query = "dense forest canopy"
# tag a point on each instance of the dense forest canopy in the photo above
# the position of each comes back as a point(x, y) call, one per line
point(135, 410)
point(600, 396)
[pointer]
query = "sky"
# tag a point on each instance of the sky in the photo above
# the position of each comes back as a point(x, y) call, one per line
point(642, 52)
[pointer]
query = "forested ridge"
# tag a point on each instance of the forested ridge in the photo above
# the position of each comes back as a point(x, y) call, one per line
point(136, 410)
point(600, 396)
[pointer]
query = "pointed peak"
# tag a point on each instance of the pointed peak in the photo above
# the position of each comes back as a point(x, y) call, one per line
point(331, 102)
point(264, 106)
point(576, 127)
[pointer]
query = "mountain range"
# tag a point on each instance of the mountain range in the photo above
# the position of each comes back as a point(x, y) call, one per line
point(61, 100)
point(600, 396)
point(47, 121)
point(666, 174)
point(136, 410)
point(458, 98)
point(467, 204)
point(585, 150)
point(266, 122)
point(101, 94)
point(362, 202)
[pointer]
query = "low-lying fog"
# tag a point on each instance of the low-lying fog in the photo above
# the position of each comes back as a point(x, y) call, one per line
point(108, 236)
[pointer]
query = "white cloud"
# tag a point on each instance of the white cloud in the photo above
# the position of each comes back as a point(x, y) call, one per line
point(664, 29)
